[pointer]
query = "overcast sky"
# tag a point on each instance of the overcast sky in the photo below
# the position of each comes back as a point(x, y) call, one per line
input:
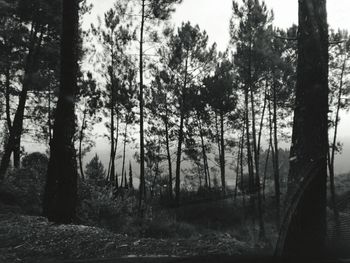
point(214, 15)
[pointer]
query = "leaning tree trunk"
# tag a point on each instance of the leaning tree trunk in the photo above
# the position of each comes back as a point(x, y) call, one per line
point(81, 137)
point(60, 198)
point(303, 230)
point(17, 125)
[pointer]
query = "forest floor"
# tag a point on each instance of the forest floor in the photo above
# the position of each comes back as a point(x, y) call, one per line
point(33, 239)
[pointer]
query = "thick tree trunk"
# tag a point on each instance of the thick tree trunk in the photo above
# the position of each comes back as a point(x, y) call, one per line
point(60, 197)
point(304, 228)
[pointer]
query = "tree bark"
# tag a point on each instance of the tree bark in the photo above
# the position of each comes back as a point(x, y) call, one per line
point(303, 231)
point(60, 198)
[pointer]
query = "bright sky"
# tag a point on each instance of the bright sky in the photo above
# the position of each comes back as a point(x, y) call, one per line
point(214, 17)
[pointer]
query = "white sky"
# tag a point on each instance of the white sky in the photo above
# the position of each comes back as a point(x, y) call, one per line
point(214, 16)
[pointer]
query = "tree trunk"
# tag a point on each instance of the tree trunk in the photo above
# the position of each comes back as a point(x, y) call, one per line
point(265, 171)
point(331, 155)
point(170, 169)
point(124, 149)
point(303, 231)
point(142, 143)
point(249, 153)
point(276, 153)
point(240, 146)
point(222, 155)
point(81, 137)
point(17, 125)
point(204, 154)
point(257, 170)
point(60, 197)
point(180, 140)
point(8, 100)
point(112, 101)
point(49, 116)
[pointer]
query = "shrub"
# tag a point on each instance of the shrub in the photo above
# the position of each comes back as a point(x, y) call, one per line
point(99, 206)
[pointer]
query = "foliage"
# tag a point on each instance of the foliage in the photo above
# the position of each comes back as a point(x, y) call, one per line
point(24, 187)
point(95, 171)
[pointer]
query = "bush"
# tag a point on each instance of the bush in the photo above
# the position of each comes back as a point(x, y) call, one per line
point(24, 187)
point(98, 206)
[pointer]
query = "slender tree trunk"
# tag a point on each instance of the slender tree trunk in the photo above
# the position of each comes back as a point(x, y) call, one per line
point(205, 161)
point(265, 171)
point(60, 198)
point(81, 137)
point(242, 172)
point(170, 169)
point(142, 143)
point(49, 116)
point(8, 100)
point(273, 158)
point(180, 140)
point(303, 230)
point(112, 107)
point(257, 170)
point(240, 146)
point(17, 152)
point(17, 125)
point(331, 152)
point(17, 147)
point(249, 153)
point(124, 149)
point(222, 155)
point(276, 153)
point(217, 134)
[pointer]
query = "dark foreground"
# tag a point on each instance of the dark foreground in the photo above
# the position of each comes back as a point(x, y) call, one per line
point(33, 239)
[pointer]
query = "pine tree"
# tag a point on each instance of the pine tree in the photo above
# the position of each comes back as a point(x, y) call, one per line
point(60, 197)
